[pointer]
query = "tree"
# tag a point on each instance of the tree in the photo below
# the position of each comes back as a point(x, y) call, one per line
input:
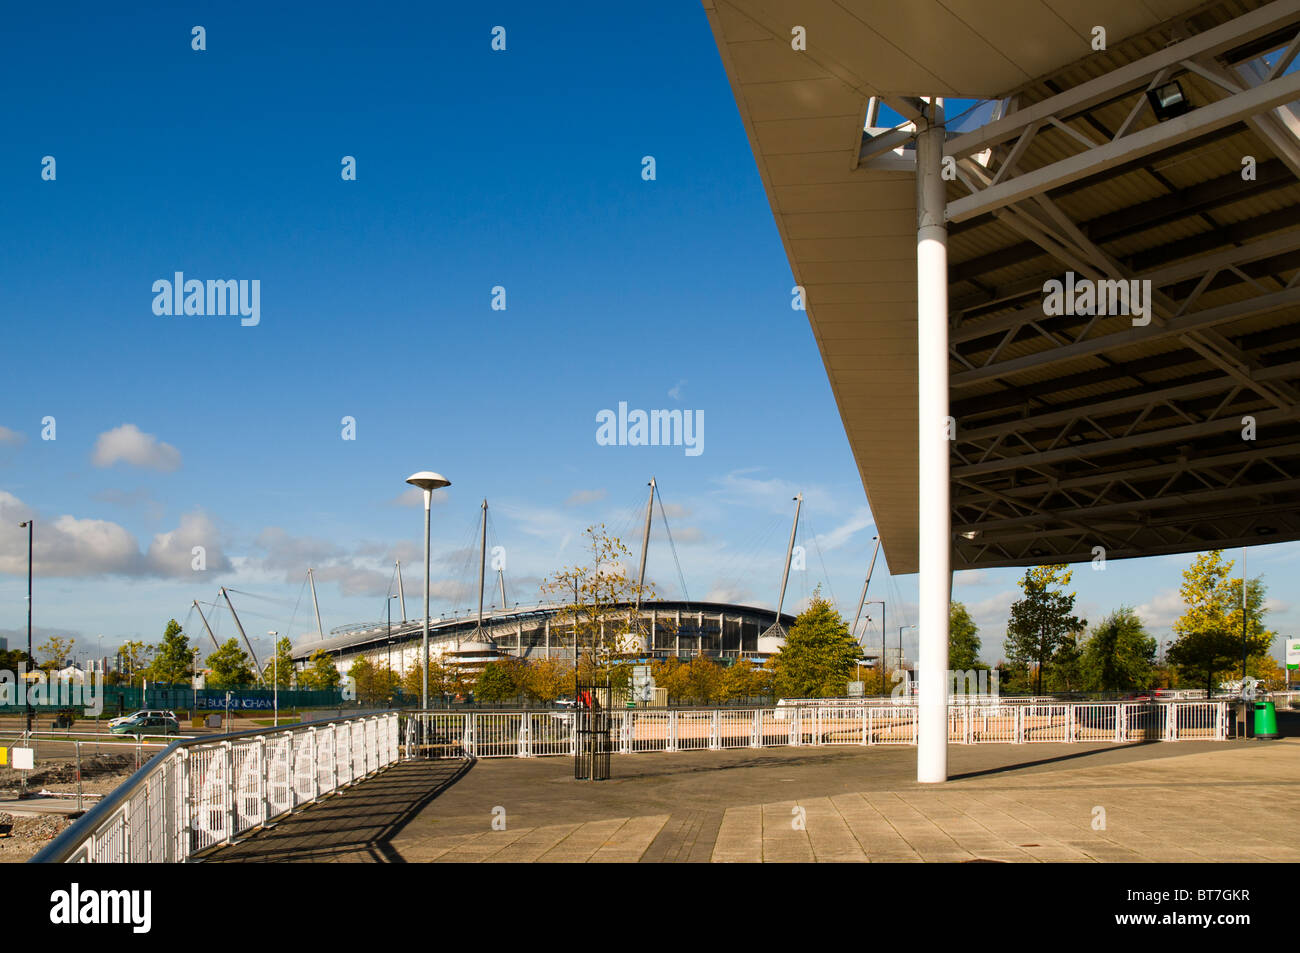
point(594, 600)
point(135, 657)
point(1205, 653)
point(498, 681)
point(229, 666)
point(963, 640)
point(57, 651)
point(743, 679)
point(549, 679)
point(444, 679)
point(1066, 672)
point(1042, 619)
point(173, 660)
point(1213, 618)
point(278, 669)
point(10, 659)
point(1119, 655)
point(321, 674)
point(818, 656)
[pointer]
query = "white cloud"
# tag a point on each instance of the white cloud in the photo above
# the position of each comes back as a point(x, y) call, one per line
point(126, 444)
point(172, 554)
point(1162, 610)
point(74, 547)
point(843, 533)
point(676, 392)
point(11, 438)
point(582, 497)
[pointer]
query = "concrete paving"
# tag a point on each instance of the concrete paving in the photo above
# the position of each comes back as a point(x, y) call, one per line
point(1163, 802)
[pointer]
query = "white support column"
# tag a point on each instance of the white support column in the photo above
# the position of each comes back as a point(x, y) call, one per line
point(935, 530)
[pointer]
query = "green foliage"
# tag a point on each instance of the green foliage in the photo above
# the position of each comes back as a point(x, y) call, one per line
point(501, 679)
point(1119, 655)
point(549, 679)
point(1200, 655)
point(230, 666)
point(963, 640)
point(818, 657)
point(173, 660)
point(1210, 630)
point(135, 657)
point(1041, 622)
point(56, 650)
point(278, 669)
point(321, 672)
point(10, 659)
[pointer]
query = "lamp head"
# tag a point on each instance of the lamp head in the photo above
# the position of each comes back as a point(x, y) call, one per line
point(428, 480)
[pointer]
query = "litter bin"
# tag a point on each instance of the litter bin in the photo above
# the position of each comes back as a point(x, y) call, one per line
point(1265, 720)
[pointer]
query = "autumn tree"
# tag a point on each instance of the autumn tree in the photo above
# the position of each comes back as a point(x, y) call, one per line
point(57, 650)
point(1041, 622)
point(549, 679)
point(134, 655)
point(1211, 637)
point(593, 602)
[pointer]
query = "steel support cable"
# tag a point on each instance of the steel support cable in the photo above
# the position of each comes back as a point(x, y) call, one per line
point(821, 559)
point(686, 596)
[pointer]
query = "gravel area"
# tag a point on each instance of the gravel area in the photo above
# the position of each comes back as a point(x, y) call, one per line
point(22, 836)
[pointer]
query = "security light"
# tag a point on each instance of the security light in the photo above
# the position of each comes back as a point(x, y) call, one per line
point(1168, 101)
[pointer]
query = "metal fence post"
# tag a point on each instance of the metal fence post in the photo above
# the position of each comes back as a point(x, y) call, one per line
point(715, 739)
point(264, 778)
point(1171, 723)
point(671, 743)
point(1020, 724)
point(228, 764)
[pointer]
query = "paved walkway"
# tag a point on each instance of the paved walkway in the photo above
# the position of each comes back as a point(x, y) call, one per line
point(1195, 801)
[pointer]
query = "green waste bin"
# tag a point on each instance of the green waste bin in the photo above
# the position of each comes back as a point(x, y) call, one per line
point(1265, 720)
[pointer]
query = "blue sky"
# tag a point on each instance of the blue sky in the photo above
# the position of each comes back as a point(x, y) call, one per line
point(475, 169)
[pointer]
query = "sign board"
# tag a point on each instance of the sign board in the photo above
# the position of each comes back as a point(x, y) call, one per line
point(1293, 654)
point(24, 758)
point(199, 681)
point(856, 689)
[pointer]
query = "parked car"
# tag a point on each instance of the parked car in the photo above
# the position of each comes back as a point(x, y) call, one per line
point(142, 713)
point(154, 724)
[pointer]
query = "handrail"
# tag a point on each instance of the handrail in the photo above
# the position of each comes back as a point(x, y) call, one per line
point(66, 843)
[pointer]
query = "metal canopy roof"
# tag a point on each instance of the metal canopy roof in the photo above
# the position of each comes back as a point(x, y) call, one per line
point(1071, 431)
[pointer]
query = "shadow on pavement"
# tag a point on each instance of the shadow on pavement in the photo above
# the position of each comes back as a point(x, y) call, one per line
point(1020, 766)
point(358, 825)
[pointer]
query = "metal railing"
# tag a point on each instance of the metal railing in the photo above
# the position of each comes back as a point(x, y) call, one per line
point(203, 792)
point(536, 734)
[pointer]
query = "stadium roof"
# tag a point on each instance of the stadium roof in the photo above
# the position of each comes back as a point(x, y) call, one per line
point(1072, 431)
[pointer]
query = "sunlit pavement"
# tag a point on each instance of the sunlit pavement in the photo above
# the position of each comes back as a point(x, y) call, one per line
point(1163, 802)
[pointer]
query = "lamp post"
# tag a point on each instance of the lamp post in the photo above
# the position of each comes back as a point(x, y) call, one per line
point(428, 481)
point(275, 676)
point(883, 630)
point(389, 606)
point(30, 658)
point(900, 651)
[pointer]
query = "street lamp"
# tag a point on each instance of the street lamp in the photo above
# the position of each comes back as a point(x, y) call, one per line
point(389, 606)
point(275, 676)
point(881, 667)
point(900, 651)
point(428, 481)
point(31, 659)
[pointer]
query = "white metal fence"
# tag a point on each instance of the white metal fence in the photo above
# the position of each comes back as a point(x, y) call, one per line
point(201, 793)
point(533, 734)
